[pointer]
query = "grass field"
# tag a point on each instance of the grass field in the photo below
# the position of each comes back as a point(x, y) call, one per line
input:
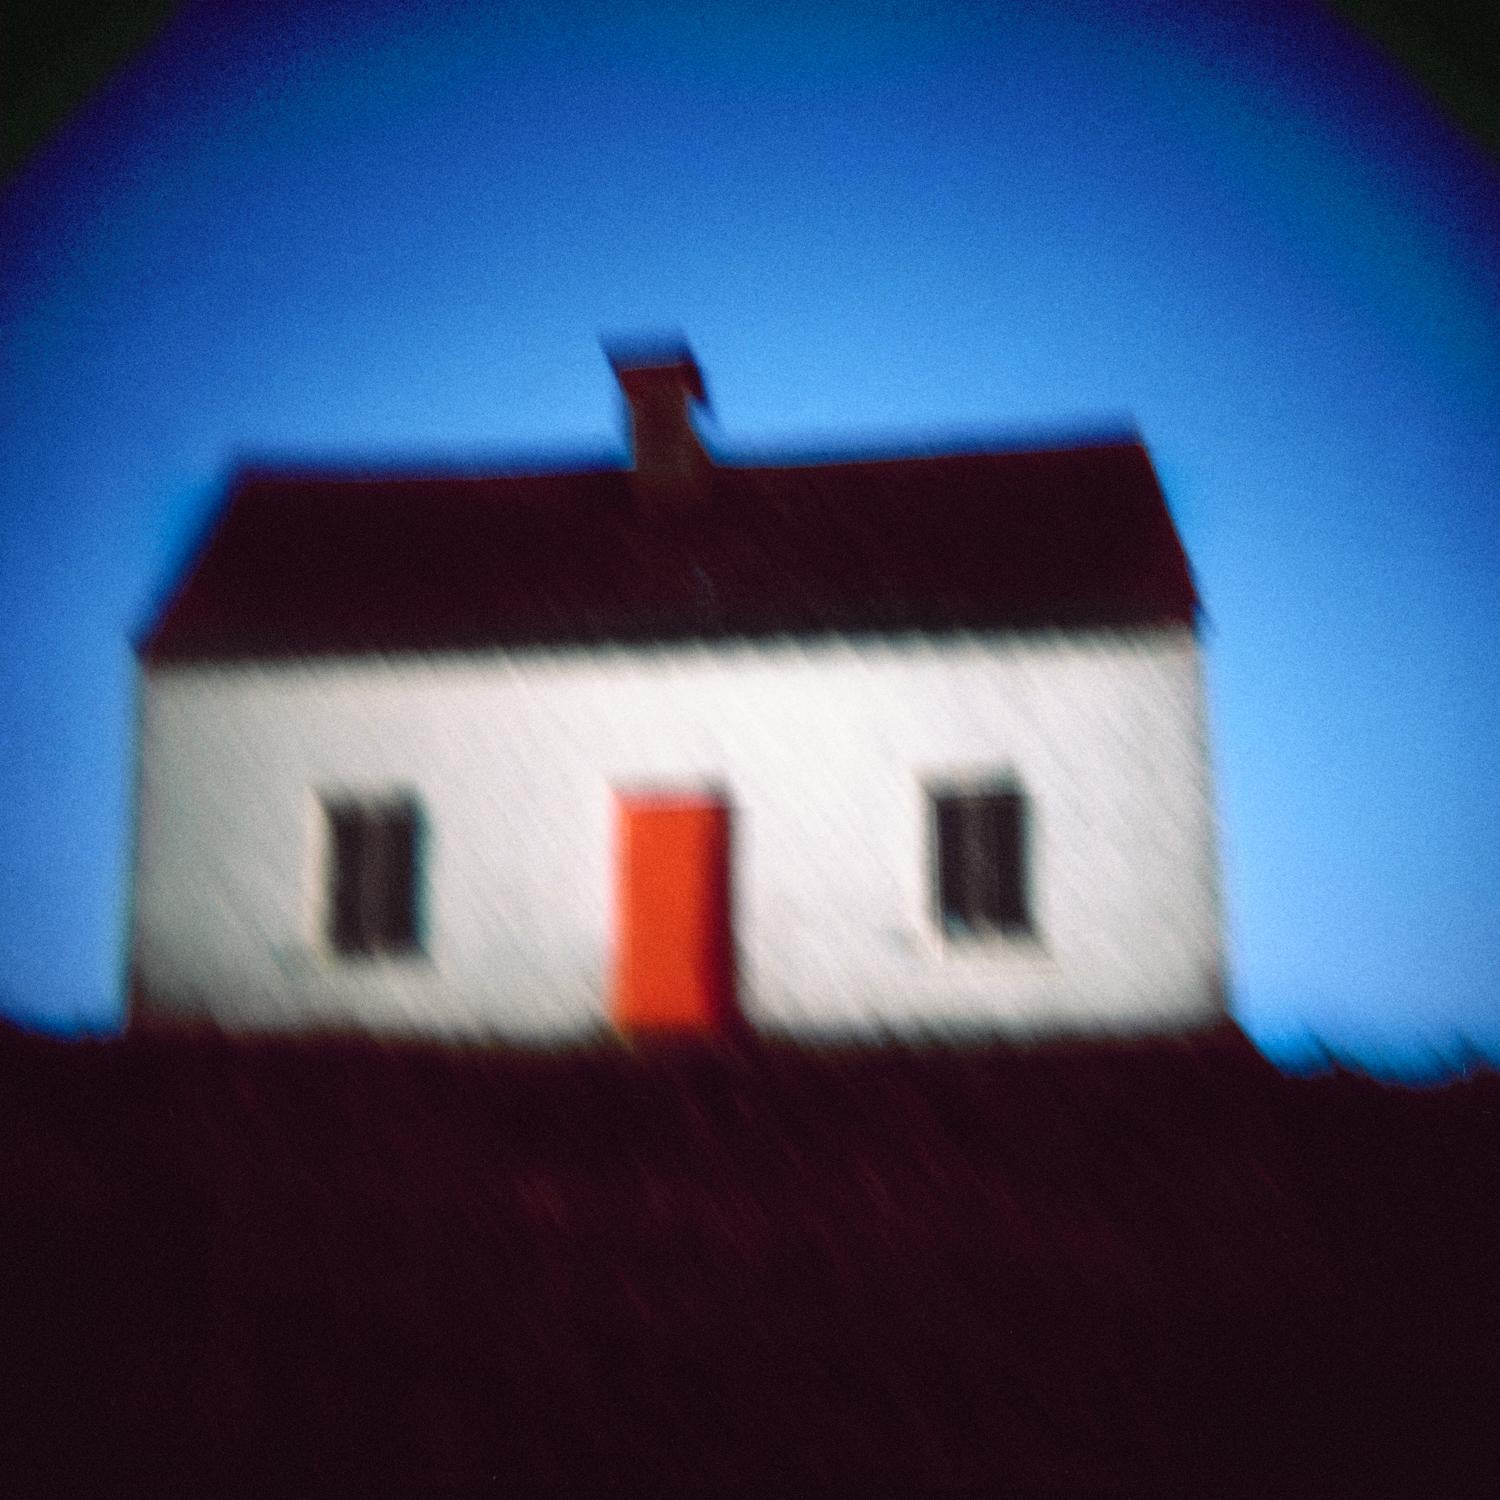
point(1080, 1270)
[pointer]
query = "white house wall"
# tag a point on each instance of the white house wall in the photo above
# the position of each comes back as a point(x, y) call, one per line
point(824, 751)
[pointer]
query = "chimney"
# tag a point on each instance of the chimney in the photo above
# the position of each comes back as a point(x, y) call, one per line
point(662, 385)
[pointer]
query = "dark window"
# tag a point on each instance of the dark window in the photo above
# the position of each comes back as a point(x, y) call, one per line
point(981, 861)
point(372, 905)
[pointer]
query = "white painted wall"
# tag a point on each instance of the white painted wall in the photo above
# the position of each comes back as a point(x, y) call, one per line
point(824, 750)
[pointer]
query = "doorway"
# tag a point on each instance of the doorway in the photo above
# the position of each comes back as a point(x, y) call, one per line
point(674, 954)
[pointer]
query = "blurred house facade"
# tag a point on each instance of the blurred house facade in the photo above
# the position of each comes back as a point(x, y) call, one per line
point(899, 746)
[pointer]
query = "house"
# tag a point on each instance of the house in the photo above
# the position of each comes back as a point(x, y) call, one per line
point(907, 747)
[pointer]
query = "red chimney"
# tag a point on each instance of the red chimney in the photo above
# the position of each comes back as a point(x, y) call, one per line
point(662, 386)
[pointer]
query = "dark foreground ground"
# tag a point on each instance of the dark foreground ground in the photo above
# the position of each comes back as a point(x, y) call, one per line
point(275, 1269)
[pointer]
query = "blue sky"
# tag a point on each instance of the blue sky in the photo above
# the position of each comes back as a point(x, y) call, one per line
point(379, 231)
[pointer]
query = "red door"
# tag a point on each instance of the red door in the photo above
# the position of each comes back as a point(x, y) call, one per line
point(674, 963)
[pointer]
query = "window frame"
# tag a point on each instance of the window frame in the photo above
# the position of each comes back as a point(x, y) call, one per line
point(379, 940)
point(968, 932)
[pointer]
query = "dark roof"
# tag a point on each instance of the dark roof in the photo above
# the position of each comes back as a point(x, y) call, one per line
point(316, 564)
